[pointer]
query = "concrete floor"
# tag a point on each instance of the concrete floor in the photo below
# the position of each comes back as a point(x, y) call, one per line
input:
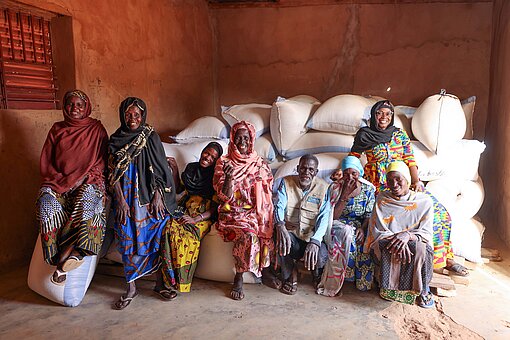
point(206, 312)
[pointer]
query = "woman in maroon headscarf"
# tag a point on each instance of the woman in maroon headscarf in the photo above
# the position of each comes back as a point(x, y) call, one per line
point(244, 183)
point(70, 206)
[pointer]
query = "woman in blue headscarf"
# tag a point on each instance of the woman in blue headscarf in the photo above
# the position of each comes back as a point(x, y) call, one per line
point(352, 200)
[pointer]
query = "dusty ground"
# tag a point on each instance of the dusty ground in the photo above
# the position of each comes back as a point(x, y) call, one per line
point(480, 310)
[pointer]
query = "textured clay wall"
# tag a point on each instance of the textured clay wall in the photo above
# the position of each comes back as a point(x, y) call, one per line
point(324, 50)
point(496, 171)
point(158, 50)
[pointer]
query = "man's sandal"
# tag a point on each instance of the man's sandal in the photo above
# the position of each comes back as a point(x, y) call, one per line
point(289, 288)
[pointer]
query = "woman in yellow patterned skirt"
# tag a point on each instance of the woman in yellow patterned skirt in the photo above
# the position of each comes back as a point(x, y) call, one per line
point(180, 242)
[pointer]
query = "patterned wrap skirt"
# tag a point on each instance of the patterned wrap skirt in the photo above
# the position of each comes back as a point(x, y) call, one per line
point(74, 218)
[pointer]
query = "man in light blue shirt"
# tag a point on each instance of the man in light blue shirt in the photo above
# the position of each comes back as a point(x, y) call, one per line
point(302, 214)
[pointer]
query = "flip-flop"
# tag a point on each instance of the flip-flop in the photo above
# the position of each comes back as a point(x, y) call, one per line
point(72, 263)
point(166, 294)
point(426, 301)
point(60, 274)
point(272, 282)
point(457, 269)
point(123, 302)
point(289, 288)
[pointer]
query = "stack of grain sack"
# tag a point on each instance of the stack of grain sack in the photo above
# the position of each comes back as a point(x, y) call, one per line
point(440, 128)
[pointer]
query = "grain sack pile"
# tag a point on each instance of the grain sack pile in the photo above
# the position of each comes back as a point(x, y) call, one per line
point(440, 129)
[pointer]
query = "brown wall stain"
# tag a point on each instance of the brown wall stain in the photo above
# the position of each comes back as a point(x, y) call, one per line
point(324, 50)
point(496, 160)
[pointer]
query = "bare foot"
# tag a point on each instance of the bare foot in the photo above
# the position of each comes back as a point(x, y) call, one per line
point(237, 288)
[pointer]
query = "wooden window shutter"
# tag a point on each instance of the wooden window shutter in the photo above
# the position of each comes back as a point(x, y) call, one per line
point(27, 74)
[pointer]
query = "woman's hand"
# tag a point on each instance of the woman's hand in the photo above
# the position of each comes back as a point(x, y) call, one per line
point(172, 163)
point(417, 186)
point(187, 219)
point(122, 211)
point(348, 188)
point(156, 207)
point(360, 235)
point(228, 169)
point(398, 246)
point(283, 241)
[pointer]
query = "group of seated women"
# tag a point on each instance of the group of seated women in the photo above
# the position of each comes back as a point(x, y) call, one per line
point(382, 227)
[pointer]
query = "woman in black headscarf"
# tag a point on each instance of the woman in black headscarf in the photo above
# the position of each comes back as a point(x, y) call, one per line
point(144, 196)
point(181, 239)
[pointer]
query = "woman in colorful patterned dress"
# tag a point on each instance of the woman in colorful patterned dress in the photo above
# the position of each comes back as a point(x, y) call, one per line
point(400, 239)
point(352, 199)
point(244, 183)
point(180, 242)
point(383, 143)
point(70, 206)
point(144, 197)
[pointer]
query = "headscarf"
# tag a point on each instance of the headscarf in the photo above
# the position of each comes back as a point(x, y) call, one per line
point(370, 136)
point(250, 170)
point(413, 212)
point(198, 180)
point(400, 167)
point(352, 162)
point(74, 149)
point(144, 147)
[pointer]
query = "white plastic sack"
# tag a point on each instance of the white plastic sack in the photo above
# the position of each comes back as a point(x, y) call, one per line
point(463, 199)
point(305, 99)
point(188, 153)
point(315, 142)
point(265, 148)
point(257, 114)
point(328, 162)
point(439, 122)
point(288, 121)
point(341, 114)
point(215, 261)
point(76, 284)
point(466, 238)
point(461, 160)
point(403, 119)
point(405, 115)
point(203, 128)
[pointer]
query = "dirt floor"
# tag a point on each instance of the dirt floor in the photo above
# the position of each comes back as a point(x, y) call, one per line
point(480, 310)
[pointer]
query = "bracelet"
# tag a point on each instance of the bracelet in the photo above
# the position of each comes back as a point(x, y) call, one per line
point(201, 216)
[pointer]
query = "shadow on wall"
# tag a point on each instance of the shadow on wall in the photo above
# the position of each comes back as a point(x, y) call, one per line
point(22, 134)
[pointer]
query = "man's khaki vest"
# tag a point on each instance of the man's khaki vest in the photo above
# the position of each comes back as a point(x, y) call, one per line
point(302, 210)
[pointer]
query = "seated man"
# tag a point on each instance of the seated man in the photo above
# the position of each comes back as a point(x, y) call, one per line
point(301, 218)
point(400, 239)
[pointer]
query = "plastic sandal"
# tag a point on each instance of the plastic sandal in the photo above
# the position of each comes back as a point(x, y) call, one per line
point(123, 302)
point(72, 263)
point(56, 280)
point(426, 301)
